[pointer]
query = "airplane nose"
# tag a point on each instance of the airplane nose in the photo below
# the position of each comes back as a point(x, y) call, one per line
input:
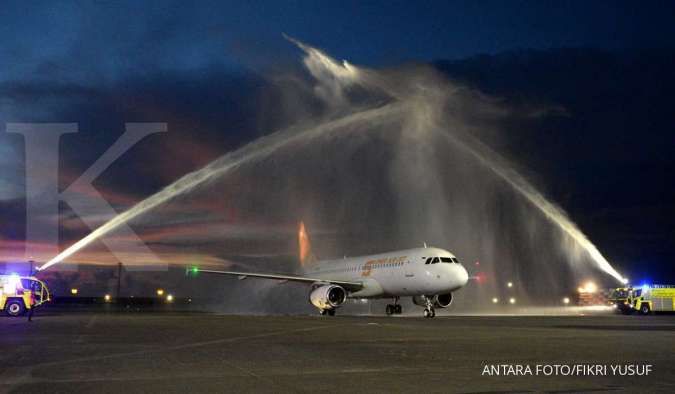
point(464, 275)
point(458, 275)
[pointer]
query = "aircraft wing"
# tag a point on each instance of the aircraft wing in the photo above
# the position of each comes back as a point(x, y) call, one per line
point(351, 286)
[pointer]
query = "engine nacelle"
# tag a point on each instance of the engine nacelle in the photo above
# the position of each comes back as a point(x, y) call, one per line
point(437, 301)
point(443, 300)
point(327, 297)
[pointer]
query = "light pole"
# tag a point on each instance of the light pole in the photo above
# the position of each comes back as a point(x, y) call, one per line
point(119, 279)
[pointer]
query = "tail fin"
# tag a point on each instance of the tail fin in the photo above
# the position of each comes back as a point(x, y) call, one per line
point(304, 246)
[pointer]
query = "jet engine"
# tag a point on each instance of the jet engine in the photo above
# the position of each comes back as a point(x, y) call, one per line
point(437, 301)
point(443, 300)
point(327, 297)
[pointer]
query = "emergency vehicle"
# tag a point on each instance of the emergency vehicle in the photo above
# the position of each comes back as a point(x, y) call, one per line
point(646, 299)
point(21, 293)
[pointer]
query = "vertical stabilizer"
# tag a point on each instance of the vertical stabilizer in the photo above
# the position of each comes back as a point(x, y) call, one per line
point(304, 246)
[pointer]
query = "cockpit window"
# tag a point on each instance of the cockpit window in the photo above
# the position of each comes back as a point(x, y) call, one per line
point(435, 260)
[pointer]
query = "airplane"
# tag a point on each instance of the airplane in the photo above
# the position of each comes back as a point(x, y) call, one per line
point(429, 275)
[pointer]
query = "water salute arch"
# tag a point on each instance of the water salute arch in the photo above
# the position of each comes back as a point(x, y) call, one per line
point(380, 159)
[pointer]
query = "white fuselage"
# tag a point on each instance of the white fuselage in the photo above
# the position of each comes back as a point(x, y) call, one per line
point(402, 273)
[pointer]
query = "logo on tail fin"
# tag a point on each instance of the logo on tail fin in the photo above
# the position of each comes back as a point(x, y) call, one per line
point(304, 246)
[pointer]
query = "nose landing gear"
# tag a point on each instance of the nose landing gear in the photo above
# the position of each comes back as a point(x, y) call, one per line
point(429, 311)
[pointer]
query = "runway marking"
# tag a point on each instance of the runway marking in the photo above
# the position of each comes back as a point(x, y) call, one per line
point(15, 376)
point(91, 322)
point(185, 346)
point(22, 378)
point(89, 325)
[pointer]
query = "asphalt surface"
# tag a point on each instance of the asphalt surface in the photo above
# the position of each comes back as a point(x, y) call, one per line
point(174, 352)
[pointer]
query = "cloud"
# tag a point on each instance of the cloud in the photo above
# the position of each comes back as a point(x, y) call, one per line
point(208, 112)
point(11, 174)
point(10, 188)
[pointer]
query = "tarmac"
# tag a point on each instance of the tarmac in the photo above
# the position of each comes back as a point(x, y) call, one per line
point(200, 352)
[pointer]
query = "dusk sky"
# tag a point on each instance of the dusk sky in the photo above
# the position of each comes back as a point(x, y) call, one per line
point(84, 41)
point(205, 70)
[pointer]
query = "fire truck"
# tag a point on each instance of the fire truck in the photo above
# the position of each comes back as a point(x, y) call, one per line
point(21, 293)
point(645, 299)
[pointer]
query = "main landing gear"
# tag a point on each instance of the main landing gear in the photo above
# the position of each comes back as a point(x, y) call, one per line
point(329, 312)
point(394, 309)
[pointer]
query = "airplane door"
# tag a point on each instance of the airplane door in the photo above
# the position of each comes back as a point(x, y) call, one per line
point(408, 270)
point(408, 280)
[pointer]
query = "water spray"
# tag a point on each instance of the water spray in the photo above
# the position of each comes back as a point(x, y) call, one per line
point(255, 151)
point(334, 78)
point(497, 165)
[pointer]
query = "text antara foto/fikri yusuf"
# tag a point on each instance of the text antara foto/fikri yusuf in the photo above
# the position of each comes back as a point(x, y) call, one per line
point(567, 370)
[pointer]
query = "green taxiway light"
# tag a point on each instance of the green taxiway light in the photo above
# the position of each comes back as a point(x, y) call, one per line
point(191, 271)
